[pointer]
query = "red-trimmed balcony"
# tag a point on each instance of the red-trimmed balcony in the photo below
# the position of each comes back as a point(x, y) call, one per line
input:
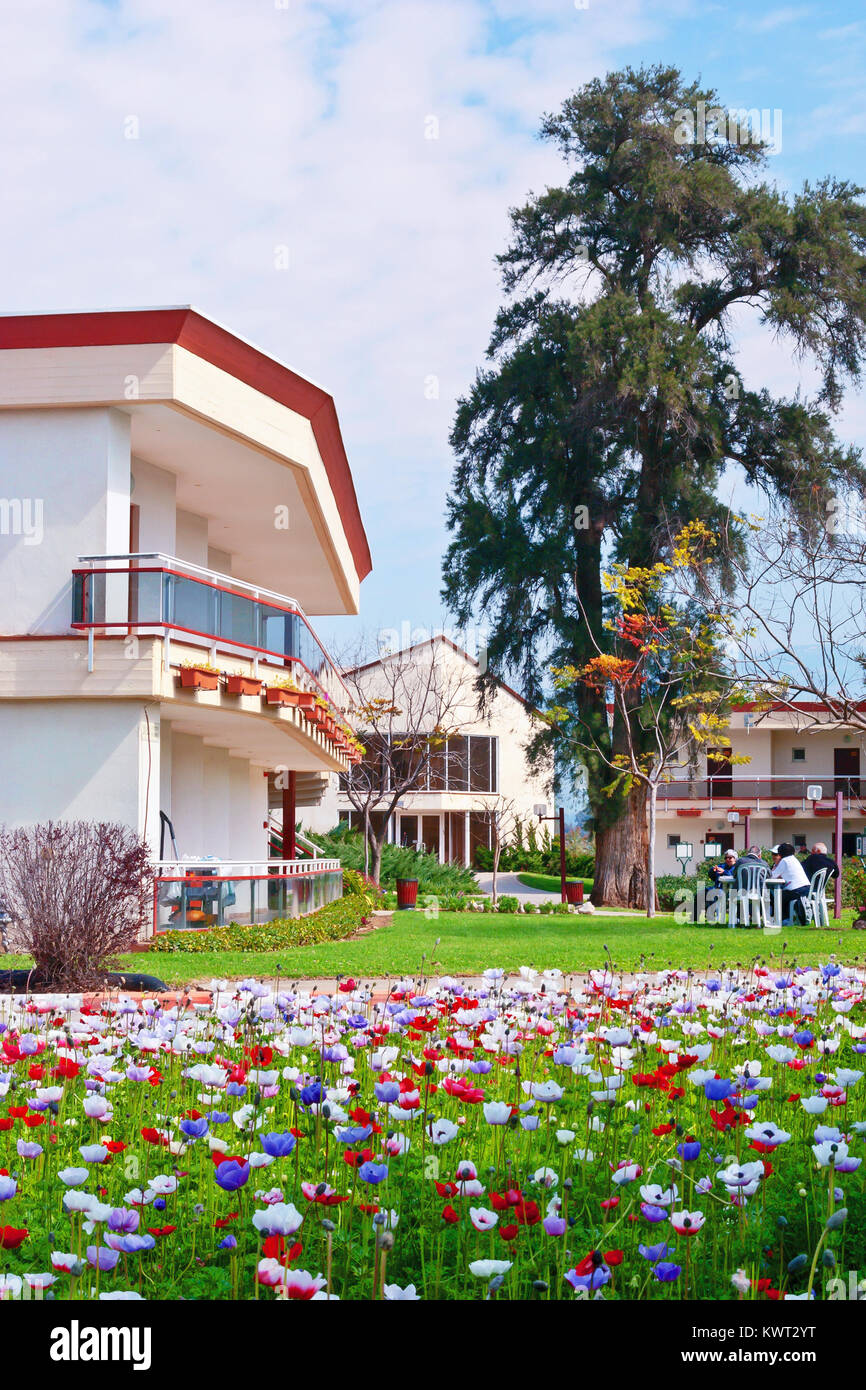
point(722, 793)
point(155, 594)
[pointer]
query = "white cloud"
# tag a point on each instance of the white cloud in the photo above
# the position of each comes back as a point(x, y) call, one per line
point(304, 127)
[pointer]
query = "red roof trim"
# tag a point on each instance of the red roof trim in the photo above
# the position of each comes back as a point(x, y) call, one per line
point(222, 349)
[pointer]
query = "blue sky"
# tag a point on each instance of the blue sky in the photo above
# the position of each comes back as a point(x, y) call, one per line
point(261, 125)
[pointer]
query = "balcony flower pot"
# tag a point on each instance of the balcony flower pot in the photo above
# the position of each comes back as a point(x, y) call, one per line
point(282, 695)
point(783, 811)
point(825, 810)
point(243, 685)
point(199, 678)
point(690, 811)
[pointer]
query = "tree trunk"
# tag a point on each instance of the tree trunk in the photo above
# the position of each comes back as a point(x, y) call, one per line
point(650, 899)
point(375, 847)
point(621, 853)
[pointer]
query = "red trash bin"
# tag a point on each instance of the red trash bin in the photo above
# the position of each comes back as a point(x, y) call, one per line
point(573, 892)
point(407, 893)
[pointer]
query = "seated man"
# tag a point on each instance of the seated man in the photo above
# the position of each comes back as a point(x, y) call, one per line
point(749, 858)
point(787, 867)
point(819, 859)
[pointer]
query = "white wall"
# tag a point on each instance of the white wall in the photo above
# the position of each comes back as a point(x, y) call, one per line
point(191, 538)
point(154, 493)
point(75, 463)
point(71, 760)
point(218, 803)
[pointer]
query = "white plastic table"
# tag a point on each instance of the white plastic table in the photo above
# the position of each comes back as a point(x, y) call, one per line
point(729, 883)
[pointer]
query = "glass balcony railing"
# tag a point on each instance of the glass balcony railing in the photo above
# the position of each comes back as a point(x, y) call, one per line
point(221, 894)
point(164, 595)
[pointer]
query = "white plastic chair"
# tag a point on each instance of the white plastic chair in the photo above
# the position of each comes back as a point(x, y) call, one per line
point(748, 895)
point(815, 902)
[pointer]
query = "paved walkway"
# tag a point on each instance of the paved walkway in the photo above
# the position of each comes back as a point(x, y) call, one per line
point(510, 884)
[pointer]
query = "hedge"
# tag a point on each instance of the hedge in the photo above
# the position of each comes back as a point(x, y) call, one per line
point(516, 859)
point(333, 922)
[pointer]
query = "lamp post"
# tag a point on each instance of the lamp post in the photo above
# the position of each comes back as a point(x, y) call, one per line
point(560, 816)
point(684, 852)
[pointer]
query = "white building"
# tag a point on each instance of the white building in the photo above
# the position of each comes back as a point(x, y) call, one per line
point(482, 769)
point(169, 495)
point(798, 761)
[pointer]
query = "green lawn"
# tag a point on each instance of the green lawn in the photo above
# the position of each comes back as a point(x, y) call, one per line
point(470, 943)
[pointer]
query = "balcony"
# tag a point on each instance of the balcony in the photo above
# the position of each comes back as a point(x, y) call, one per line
point(155, 594)
point(722, 793)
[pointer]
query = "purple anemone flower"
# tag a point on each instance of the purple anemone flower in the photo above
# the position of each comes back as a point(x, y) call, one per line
point(123, 1220)
point(278, 1145)
point(373, 1172)
point(194, 1129)
point(100, 1258)
point(231, 1175)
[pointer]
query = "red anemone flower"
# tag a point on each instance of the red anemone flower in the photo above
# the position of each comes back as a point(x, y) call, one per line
point(11, 1237)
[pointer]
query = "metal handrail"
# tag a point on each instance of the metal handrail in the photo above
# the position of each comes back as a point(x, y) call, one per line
point(143, 562)
point(227, 868)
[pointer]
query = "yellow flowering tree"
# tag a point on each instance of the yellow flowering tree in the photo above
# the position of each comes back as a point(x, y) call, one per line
point(667, 677)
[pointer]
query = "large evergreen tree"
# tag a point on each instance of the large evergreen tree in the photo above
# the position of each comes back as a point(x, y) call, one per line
point(613, 401)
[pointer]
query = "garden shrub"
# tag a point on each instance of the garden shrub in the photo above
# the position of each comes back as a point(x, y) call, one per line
point(397, 862)
point(334, 922)
point(514, 860)
point(360, 885)
point(78, 892)
point(853, 883)
point(668, 886)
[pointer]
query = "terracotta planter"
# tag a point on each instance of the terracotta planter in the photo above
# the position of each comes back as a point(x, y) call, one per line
point(783, 811)
point(278, 695)
point(243, 685)
point(191, 678)
point(692, 811)
point(305, 701)
point(825, 810)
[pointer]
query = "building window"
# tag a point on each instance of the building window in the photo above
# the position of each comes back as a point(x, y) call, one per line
point(798, 755)
point(482, 763)
point(458, 763)
point(673, 841)
point(798, 841)
point(464, 763)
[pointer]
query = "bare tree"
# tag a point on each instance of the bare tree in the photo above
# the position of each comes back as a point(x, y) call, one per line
point(408, 707)
point(77, 893)
point(794, 621)
point(501, 816)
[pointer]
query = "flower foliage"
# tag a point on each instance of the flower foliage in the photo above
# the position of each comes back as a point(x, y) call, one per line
point(674, 1134)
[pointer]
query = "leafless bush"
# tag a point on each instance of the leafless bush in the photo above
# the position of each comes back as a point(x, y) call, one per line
point(77, 892)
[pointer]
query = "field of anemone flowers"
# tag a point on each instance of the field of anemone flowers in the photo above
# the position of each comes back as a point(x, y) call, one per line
point(671, 1136)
